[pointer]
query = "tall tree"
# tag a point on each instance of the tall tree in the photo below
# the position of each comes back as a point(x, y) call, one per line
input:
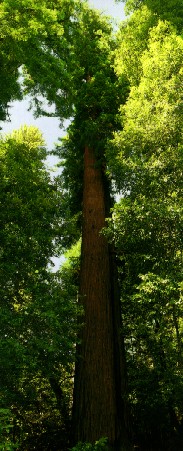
point(74, 73)
point(98, 408)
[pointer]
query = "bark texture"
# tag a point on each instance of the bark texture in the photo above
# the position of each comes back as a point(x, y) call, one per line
point(97, 408)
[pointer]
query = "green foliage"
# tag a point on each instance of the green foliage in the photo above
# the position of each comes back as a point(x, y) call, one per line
point(6, 425)
point(29, 218)
point(98, 446)
point(153, 114)
point(37, 355)
point(146, 160)
point(38, 39)
point(38, 318)
point(136, 31)
point(132, 40)
point(171, 10)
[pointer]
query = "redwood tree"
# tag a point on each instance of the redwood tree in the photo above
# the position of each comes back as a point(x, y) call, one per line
point(98, 407)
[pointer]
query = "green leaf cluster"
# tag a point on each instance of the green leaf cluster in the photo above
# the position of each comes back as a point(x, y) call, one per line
point(6, 424)
point(99, 445)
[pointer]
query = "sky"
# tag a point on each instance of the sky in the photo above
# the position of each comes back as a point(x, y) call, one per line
point(50, 126)
point(109, 7)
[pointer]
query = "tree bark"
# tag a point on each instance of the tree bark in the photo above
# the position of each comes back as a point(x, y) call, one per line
point(97, 406)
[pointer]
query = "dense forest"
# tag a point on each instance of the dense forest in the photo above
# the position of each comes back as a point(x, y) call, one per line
point(91, 355)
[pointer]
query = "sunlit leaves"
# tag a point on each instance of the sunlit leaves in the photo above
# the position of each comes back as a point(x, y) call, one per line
point(28, 207)
point(152, 117)
point(132, 41)
point(146, 159)
point(170, 10)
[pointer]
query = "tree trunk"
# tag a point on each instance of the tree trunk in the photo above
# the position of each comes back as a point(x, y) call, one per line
point(97, 407)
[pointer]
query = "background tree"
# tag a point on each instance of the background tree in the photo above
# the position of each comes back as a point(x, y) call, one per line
point(38, 309)
point(147, 224)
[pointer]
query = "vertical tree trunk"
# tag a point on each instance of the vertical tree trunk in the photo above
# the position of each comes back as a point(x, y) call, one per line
point(97, 407)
